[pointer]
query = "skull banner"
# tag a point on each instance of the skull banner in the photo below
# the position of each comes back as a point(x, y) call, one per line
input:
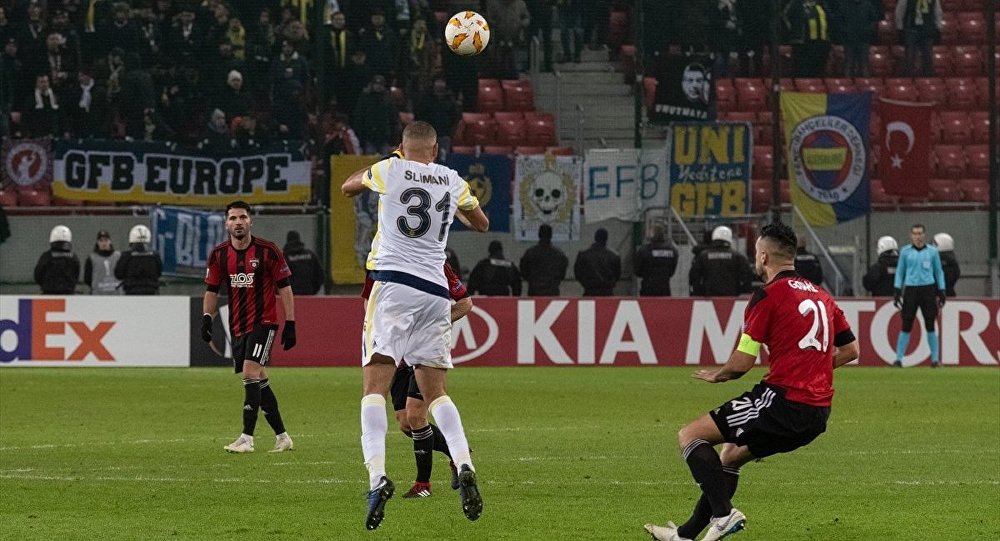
point(547, 191)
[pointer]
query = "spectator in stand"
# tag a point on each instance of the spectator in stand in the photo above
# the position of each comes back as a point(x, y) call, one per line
point(338, 137)
point(340, 46)
point(235, 102)
point(288, 66)
point(217, 138)
point(728, 32)
point(543, 265)
point(949, 263)
point(920, 22)
point(570, 26)
point(423, 55)
point(58, 269)
point(71, 39)
point(718, 270)
point(290, 111)
point(151, 38)
point(99, 269)
point(110, 71)
point(122, 32)
point(251, 133)
point(87, 108)
point(881, 276)
point(139, 268)
point(31, 33)
point(260, 50)
point(806, 21)
point(215, 76)
point(40, 115)
point(495, 275)
point(656, 263)
point(376, 119)
point(856, 23)
point(59, 66)
point(807, 265)
point(10, 73)
point(185, 39)
point(439, 108)
point(138, 96)
point(351, 84)
point(307, 272)
point(509, 20)
point(381, 45)
point(597, 268)
point(237, 36)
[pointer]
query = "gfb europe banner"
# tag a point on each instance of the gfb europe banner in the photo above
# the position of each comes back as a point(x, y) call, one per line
point(489, 177)
point(710, 168)
point(546, 191)
point(621, 183)
point(185, 237)
point(353, 221)
point(827, 137)
point(139, 172)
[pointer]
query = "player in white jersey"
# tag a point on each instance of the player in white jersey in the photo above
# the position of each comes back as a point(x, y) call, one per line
point(408, 312)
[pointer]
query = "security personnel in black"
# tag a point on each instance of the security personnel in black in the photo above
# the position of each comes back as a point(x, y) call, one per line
point(58, 269)
point(307, 273)
point(139, 268)
point(949, 263)
point(544, 266)
point(881, 276)
point(655, 263)
point(720, 271)
point(495, 275)
point(597, 268)
point(807, 265)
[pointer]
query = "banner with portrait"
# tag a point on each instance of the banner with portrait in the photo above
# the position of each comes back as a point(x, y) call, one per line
point(140, 172)
point(353, 221)
point(27, 163)
point(546, 191)
point(489, 177)
point(621, 183)
point(185, 237)
point(710, 168)
point(684, 89)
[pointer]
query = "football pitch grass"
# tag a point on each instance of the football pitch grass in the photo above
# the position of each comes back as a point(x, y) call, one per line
point(561, 453)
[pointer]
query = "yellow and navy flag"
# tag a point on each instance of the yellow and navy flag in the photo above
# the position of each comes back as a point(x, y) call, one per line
point(828, 158)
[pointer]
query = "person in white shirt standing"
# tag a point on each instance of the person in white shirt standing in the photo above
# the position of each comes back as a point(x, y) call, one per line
point(408, 312)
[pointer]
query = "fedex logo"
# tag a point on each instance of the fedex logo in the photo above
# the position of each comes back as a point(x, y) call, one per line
point(37, 321)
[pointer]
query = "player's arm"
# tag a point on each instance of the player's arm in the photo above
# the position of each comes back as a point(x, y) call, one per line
point(461, 308)
point(465, 221)
point(474, 219)
point(740, 362)
point(354, 184)
point(844, 342)
point(288, 304)
point(210, 302)
point(845, 354)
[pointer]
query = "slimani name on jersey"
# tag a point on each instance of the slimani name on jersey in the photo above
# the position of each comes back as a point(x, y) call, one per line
point(426, 179)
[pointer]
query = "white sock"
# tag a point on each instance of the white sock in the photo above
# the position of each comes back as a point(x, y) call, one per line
point(450, 423)
point(374, 425)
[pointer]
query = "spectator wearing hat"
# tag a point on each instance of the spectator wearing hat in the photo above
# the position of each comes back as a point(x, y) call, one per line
point(495, 275)
point(718, 270)
point(58, 268)
point(99, 269)
point(307, 272)
point(88, 110)
point(881, 276)
point(216, 135)
point(949, 263)
point(235, 101)
point(597, 268)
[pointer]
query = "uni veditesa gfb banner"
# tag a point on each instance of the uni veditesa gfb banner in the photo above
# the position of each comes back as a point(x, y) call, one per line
point(828, 158)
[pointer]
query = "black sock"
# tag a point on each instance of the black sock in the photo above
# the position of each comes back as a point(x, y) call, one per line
point(440, 444)
point(703, 511)
point(269, 403)
point(706, 468)
point(250, 405)
point(423, 446)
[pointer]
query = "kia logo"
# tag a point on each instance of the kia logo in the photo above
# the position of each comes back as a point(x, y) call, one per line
point(465, 331)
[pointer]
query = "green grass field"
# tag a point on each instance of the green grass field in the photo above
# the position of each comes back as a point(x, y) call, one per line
point(562, 453)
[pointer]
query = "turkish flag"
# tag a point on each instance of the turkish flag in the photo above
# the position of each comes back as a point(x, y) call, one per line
point(905, 140)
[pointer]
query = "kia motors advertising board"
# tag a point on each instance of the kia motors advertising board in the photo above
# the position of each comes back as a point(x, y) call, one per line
point(94, 331)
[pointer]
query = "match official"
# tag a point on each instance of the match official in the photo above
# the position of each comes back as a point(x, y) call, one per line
point(919, 279)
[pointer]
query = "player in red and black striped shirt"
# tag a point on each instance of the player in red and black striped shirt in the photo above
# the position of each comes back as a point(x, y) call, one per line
point(807, 337)
point(253, 271)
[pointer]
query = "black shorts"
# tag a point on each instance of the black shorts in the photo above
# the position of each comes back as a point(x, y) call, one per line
point(924, 298)
point(767, 423)
point(404, 384)
point(253, 346)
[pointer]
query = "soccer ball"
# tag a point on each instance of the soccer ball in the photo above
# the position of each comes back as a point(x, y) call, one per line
point(467, 33)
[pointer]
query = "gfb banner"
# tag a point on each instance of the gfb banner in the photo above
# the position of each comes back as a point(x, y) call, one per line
point(710, 168)
point(185, 238)
point(118, 171)
point(683, 89)
point(84, 330)
point(27, 163)
point(827, 138)
point(489, 177)
point(546, 191)
point(353, 221)
point(621, 183)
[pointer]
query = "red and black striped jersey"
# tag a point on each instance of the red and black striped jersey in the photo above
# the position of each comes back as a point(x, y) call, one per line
point(252, 278)
point(456, 288)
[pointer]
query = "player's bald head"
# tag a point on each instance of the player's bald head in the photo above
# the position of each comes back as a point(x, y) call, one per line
point(779, 241)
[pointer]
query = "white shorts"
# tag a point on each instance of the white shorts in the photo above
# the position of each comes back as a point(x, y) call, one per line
point(407, 324)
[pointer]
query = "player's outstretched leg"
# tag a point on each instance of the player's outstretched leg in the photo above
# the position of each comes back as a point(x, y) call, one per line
point(472, 501)
point(423, 446)
point(377, 497)
point(450, 423)
point(269, 404)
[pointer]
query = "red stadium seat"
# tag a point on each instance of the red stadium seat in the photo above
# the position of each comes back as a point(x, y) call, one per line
point(973, 5)
point(511, 128)
point(944, 191)
point(763, 163)
point(870, 84)
point(537, 115)
point(760, 196)
point(33, 198)
point(933, 93)
point(527, 151)
point(951, 5)
point(541, 132)
point(508, 116)
point(561, 151)
point(405, 118)
point(518, 95)
point(886, 32)
point(807, 84)
point(975, 190)
point(490, 96)
point(949, 29)
point(950, 161)
point(8, 197)
point(498, 149)
point(961, 98)
point(725, 98)
point(941, 60)
point(955, 128)
point(902, 92)
point(880, 61)
point(968, 61)
point(739, 116)
point(978, 157)
point(751, 98)
point(980, 121)
point(764, 128)
point(972, 28)
point(477, 129)
point(464, 150)
point(982, 85)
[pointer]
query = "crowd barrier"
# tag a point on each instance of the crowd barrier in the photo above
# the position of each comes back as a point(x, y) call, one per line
point(614, 331)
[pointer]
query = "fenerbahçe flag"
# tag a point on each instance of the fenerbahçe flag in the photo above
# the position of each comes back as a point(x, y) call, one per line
point(827, 138)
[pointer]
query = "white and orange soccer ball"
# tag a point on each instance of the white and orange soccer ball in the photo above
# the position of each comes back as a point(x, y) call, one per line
point(467, 33)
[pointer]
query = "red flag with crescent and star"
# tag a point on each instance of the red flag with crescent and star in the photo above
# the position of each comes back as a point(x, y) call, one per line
point(905, 153)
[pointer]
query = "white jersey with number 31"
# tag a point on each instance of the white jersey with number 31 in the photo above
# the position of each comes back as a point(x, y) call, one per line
point(417, 204)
